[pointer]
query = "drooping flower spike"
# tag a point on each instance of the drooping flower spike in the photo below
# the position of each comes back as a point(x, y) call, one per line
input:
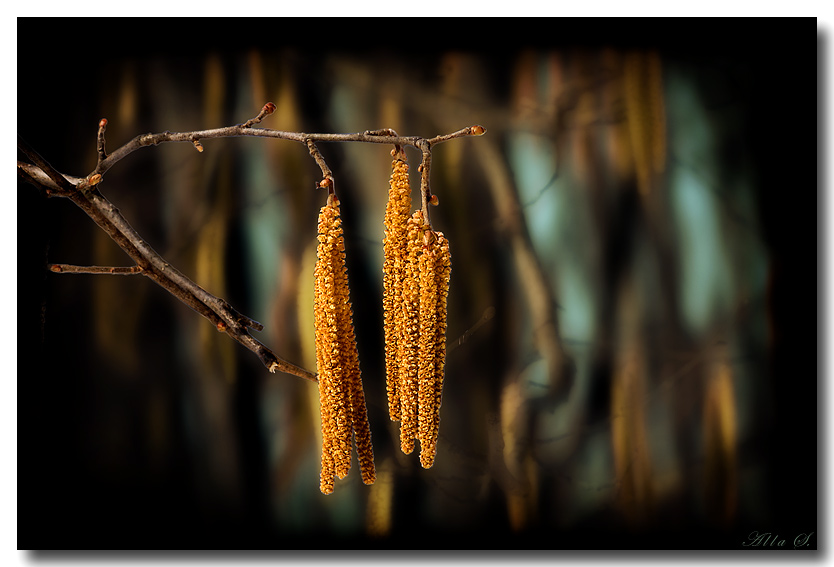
point(341, 396)
point(416, 284)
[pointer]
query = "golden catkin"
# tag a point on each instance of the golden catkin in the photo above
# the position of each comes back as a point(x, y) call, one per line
point(394, 253)
point(427, 342)
point(340, 387)
point(325, 340)
point(409, 330)
point(435, 269)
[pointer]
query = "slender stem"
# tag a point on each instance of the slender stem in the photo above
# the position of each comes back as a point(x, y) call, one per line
point(102, 126)
point(425, 189)
point(71, 269)
point(267, 109)
point(326, 175)
point(475, 130)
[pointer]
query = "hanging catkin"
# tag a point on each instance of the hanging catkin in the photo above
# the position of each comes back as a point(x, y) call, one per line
point(416, 276)
point(435, 270)
point(408, 329)
point(394, 252)
point(342, 400)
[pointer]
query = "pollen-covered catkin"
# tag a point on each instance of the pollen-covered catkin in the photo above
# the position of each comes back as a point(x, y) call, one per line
point(340, 387)
point(409, 330)
point(394, 258)
point(435, 271)
point(326, 339)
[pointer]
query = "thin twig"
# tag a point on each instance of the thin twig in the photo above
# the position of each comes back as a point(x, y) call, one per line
point(476, 130)
point(267, 109)
point(326, 175)
point(425, 189)
point(102, 126)
point(71, 269)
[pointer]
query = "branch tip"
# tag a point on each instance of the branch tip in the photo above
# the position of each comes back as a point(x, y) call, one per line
point(477, 130)
point(267, 109)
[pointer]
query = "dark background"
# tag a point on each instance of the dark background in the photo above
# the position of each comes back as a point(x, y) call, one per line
point(677, 407)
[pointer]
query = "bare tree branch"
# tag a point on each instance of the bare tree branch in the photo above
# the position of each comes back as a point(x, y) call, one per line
point(84, 193)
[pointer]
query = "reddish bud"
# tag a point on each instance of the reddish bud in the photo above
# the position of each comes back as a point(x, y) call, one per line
point(55, 268)
point(221, 326)
point(269, 108)
point(477, 130)
point(102, 123)
point(95, 179)
point(433, 200)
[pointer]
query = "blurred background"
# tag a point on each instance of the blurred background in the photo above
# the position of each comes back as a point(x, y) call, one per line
point(631, 331)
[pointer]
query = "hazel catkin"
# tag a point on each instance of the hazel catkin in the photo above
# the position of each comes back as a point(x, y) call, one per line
point(408, 330)
point(417, 329)
point(342, 402)
point(435, 270)
point(393, 269)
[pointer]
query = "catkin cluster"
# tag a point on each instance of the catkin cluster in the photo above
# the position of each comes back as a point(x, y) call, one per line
point(342, 400)
point(416, 270)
